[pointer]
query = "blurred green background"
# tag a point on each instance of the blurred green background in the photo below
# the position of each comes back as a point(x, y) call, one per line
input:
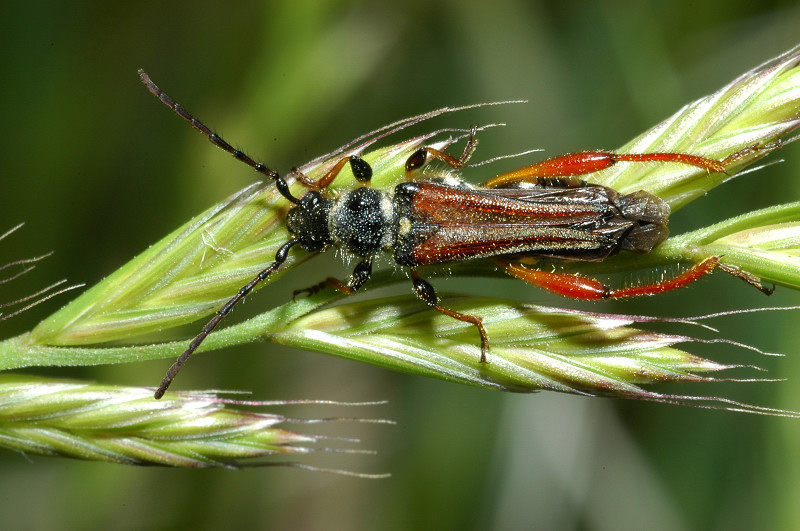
point(98, 170)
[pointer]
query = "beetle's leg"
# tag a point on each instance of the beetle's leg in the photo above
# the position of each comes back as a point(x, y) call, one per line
point(580, 287)
point(361, 169)
point(423, 155)
point(585, 162)
point(426, 292)
point(360, 275)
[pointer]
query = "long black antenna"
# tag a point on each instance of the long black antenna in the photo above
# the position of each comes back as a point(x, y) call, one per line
point(280, 258)
point(215, 139)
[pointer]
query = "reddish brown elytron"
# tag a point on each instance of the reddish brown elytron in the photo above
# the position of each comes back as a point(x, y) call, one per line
point(543, 211)
point(539, 212)
point(448, 224)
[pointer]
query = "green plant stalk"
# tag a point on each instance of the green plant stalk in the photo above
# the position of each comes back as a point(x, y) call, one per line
point(189, 274)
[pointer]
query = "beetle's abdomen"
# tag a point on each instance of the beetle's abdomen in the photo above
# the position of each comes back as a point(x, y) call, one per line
point(649, 215)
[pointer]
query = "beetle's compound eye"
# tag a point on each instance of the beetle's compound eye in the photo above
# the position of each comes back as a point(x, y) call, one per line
point(416, 160)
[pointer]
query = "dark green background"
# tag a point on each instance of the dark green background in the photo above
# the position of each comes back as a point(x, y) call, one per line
point(99, 170)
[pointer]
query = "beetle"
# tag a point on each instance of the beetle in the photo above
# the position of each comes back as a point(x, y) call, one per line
point(542, 211)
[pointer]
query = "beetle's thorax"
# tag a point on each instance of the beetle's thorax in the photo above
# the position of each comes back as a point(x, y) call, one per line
point(362, 221)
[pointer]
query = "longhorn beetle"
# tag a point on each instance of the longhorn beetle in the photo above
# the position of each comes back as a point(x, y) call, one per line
point(541, 211)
